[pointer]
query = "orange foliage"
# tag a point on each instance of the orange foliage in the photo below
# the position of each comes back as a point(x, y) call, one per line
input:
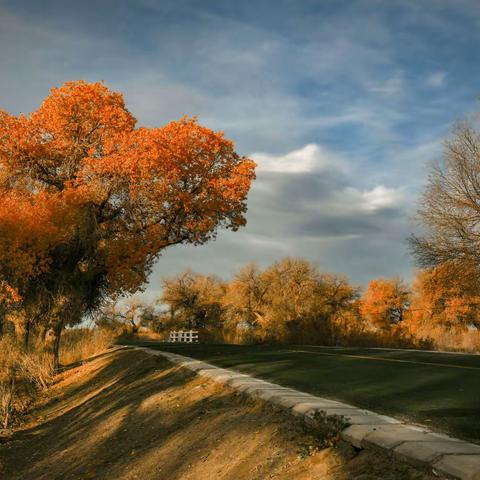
point(30, 225)
point(89, 199)
point(444, 296)
point(384, 303)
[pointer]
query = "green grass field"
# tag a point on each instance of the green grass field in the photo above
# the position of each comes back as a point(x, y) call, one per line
point(438, 390)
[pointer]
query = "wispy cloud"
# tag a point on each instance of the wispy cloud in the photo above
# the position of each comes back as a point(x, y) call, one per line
point(343, 102)
point(436, 79)
point(393, 86)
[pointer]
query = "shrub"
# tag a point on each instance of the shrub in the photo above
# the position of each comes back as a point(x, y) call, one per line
point(328, 428)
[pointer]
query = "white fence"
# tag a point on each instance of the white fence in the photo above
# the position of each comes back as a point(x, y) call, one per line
point(187, 336)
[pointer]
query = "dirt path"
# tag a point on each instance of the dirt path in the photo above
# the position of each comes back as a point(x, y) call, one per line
point(128, 415)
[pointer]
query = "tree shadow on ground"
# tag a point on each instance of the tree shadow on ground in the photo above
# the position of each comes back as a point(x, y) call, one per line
point(130, 415)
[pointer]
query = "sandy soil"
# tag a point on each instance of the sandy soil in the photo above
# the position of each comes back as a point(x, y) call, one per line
point(128, 415)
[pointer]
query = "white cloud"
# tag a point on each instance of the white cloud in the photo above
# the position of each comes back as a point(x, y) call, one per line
point(310, 158)
point(381, 197)
point(363, 202)
point(283, 87)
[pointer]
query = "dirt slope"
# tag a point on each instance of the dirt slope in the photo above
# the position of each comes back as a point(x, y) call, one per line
point(128, 415)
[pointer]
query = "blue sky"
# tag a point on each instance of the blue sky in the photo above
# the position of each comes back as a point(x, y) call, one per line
point(342, 104)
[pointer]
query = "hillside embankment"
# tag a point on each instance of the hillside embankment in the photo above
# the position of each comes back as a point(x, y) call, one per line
point(128, 415)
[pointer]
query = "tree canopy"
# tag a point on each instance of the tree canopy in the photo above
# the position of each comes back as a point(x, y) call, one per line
point(96, 200)
point(385, 302)
point(450, 206)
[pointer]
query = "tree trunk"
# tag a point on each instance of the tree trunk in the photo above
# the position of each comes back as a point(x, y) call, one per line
point(134, 327)
point(56, 345)
point(28, 326)
point(43, 334)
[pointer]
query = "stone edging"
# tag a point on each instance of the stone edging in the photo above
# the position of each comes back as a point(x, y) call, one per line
point(441, 454)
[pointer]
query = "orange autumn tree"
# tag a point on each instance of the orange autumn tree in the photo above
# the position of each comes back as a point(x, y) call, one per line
point(445, 298)
point(131, 191)
point(28, 230)
point(384, 303)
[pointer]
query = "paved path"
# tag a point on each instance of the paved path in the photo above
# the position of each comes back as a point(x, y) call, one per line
point(445, 456)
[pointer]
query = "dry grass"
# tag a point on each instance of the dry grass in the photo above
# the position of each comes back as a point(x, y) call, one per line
point(440, 337)
point(80, 343)
point(24, 374)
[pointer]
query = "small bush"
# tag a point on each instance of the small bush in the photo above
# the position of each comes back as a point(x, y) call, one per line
point(319, 432)
point(328, 428)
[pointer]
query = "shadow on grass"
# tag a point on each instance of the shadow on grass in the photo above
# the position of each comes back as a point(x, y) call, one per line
point(418, 392)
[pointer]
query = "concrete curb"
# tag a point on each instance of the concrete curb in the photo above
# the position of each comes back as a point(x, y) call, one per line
point(442, 455)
